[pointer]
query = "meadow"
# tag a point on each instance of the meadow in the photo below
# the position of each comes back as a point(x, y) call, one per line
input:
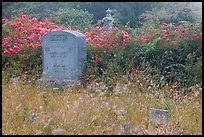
point(94, 110)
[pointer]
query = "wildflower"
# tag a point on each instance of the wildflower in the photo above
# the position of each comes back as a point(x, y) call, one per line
point(88, 40)
point(19, 23)
point(97, 27)
point(98, 59)
point(178, 27)
point(124, 35)
point(34, 20)
point(164, 26)
point(24, 18)
point(5, 20)
point(15, 37)
point(15, 47)
point(6, 52)
point(59, 14)
point(37, 44)
point(98, 45)
point(31, 37)
point(25, 32)
point(142, 39)
point(31, 45)
point(166, 34)
point(196, 36)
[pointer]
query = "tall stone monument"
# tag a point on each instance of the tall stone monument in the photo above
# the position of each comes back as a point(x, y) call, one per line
point(107, 21)
point(64, 54)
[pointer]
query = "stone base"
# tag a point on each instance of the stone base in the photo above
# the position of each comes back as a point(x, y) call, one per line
point(57, 83)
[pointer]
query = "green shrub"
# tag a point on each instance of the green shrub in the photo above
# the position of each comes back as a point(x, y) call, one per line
point(171, 12)
point(61, 13)
point(174, 63)
point(77, 19)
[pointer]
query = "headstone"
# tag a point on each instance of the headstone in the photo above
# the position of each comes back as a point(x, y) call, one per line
point(108, 21)
point(59, 131)
point(63, 56)
point(150, 131)
point(126, 129)
point(158, 116)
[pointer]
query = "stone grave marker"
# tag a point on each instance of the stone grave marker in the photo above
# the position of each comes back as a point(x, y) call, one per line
point(158, 116)
point(63, 56)
point(126, 129)
point(108, 21)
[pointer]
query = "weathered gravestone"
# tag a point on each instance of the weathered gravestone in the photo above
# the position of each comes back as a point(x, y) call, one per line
point(107, 21)
point(126, 129)
point(63, 56)
point(158, 116)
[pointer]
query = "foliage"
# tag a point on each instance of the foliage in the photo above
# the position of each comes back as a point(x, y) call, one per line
point(107, 52)
point(78, 19)
point(21, 44)
point(137, 9)
point(121, 13)
point(172, 49)
point(61, 13)
point(171, 12)
point(169, 48)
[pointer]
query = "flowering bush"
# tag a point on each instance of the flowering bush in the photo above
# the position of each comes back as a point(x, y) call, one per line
point(168, 48)
point(21, 43)
point(107, 53)
point(78, 19)
point(102, 45)
point(171, 49)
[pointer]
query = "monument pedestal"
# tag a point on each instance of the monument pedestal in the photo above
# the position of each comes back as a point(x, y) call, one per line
point(57, 83)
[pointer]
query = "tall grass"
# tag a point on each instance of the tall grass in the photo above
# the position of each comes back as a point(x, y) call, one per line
point(93, 110)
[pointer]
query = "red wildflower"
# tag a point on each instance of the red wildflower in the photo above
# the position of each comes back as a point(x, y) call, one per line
point(19, 23)
point(164, 26)
point(5, 20)
point(166, 34)
point(15, 47)
point(6, 52)
point(34, 20)
point(24, 18)
point(196, 36)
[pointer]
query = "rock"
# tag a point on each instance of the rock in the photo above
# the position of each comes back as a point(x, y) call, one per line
point(59, 131)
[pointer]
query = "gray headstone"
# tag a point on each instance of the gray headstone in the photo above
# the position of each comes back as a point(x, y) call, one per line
point(63, 56)
point(126, 129)
point(59, 131)
point(108, 21)
point(158, 116)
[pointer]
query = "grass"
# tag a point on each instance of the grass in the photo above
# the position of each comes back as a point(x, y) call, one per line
point(93, 110)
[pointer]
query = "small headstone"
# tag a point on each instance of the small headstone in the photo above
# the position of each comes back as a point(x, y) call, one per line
point(126, 129)
point(158, 116)
point(64, 55)
point(149, 131)
point(58, 131)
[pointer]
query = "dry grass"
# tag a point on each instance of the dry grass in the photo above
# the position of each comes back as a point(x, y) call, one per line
point(79, 110)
